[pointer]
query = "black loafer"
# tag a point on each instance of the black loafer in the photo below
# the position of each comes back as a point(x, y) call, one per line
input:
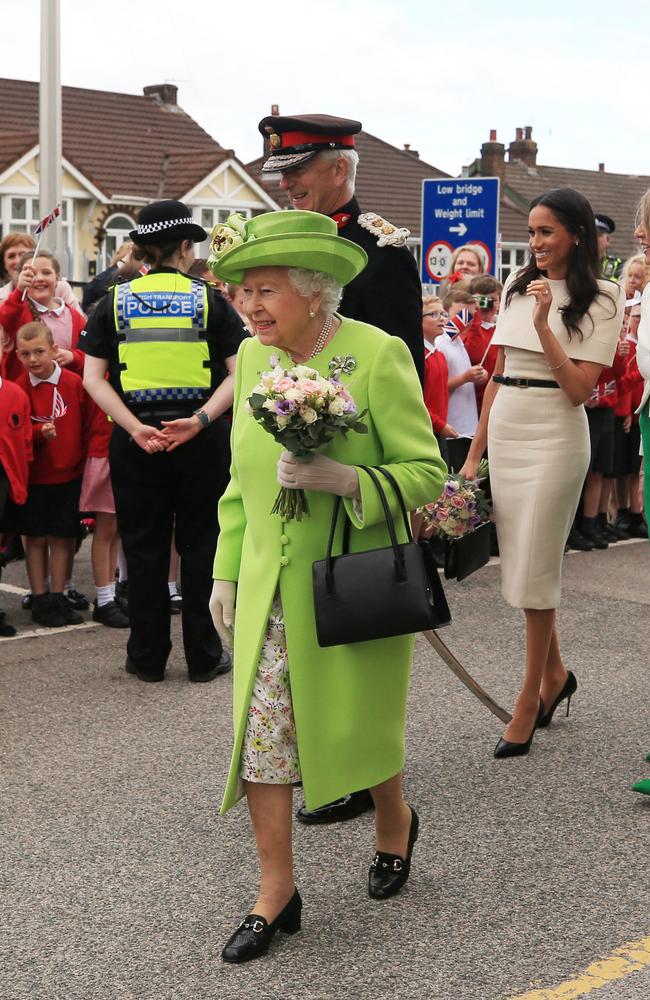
point(254, 934)
point(224, 666)
point(339, 811)
point(389, 872)
point(143, 675)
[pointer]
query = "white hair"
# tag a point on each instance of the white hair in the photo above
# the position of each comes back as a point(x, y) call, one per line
point(308, 283)
point(350, 155)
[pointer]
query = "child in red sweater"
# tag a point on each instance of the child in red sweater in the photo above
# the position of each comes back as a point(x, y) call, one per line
point(34, 298)
point(436, 374)
point(50, 518)
point(15, 456)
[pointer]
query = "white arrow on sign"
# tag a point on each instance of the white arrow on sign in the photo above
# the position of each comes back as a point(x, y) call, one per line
point(461, 229)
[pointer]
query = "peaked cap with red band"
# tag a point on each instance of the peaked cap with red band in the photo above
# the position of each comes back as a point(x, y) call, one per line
point(294, 140)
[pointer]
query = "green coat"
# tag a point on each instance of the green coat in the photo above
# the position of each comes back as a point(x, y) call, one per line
point(349, 702)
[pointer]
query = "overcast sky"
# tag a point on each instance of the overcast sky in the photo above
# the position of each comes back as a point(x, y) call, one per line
point(436, 75)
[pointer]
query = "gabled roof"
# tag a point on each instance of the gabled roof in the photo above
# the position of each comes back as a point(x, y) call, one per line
point(617, 195)
point(125, 144)
point(389, 181)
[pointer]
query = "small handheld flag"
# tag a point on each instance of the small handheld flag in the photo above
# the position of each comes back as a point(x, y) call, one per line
point(47, 221)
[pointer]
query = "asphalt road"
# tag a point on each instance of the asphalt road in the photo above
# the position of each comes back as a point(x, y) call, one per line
point(119, 879)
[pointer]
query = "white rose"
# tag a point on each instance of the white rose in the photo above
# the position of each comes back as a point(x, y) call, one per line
point(268, 404)
point(297, 395)
point(281, 421)
point(308, 415)
point(336, 406)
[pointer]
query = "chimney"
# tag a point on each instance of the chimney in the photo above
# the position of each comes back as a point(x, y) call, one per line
point(413, 152)
point(524, 148)
point(164, 93)
point(493, 157)
point(601, 168)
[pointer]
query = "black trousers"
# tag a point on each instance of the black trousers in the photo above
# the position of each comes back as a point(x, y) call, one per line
point(154, 494)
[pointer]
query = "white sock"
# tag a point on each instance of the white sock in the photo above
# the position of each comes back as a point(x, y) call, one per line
point(173, 589)
point(68, 585)
point(105, 594)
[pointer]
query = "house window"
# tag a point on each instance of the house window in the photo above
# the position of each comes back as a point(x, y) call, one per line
point(21, 214)
point(512, 258)
point(117, 229)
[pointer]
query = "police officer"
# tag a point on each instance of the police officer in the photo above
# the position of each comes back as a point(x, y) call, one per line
point(168, 343)
point(610, 265)
point(317, 161)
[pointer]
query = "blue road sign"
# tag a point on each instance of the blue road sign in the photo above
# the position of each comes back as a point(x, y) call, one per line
point(456, 211)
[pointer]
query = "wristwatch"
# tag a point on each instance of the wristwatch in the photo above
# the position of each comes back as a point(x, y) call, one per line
point(203, 417)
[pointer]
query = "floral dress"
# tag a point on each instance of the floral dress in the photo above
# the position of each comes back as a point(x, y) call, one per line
point(269, 749)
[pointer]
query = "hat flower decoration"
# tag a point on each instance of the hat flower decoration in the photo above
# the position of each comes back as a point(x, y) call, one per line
point(225, 237)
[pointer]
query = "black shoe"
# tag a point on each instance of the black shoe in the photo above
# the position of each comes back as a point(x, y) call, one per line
point(505, 748)
point(110, 614)
point(594, 536)
point(254, 934)
point(578, 542)
point(66, 609)
point(26, 602)
point(143, 675)
point(175, 604)
point(389, 872)
point(122, 595)
point(609, 534)
point(76, 600)
point(224, 666)
point(637, 530)
point(339, 811)
point(569, 689)
point(6, 630)
point(46, 612)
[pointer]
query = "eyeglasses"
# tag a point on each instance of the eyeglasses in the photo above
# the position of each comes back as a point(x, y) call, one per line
point(435, 315)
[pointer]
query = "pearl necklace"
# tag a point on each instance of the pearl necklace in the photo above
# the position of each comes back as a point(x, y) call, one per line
point(322, 339)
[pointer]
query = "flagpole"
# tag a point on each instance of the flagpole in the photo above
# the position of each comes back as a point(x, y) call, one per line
point(50, 119)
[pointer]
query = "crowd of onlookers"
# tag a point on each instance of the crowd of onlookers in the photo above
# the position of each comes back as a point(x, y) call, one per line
point(458, 322)
point(65, 438)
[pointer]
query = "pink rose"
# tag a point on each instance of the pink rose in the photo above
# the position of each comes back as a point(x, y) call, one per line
point(282, 384)
point(310, 385)
point(457, 501)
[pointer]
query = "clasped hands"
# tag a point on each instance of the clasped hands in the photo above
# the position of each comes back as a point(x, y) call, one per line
point(172, 434)
point(318, 473)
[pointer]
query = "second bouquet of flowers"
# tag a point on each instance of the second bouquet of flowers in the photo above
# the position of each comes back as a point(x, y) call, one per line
point(303, 411)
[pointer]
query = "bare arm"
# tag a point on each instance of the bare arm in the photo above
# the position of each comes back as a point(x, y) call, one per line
point(576, 378)
point(177, 432)
point(479, 441)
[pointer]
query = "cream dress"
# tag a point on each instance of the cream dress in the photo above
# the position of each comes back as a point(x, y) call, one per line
point(538, 445)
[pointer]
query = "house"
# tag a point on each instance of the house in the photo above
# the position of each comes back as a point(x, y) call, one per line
point(523, 178)
point(120, 151)
point(389, 182)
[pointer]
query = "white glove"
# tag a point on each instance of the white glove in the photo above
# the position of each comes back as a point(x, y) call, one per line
point(318, 473)
point(222, 609)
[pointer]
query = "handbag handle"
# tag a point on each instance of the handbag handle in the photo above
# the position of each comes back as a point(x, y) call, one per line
point(400, 562)
point(398, 493)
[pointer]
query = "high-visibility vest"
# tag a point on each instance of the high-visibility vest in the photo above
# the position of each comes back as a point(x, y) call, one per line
point(161, 321)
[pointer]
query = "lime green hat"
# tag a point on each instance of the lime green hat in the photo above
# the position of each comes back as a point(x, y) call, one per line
point(283, 239)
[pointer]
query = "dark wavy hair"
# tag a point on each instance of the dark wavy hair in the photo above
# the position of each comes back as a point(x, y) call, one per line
point(574, 212)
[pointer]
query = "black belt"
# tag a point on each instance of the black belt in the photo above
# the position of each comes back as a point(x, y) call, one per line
point(145, 413)
point(524, 383)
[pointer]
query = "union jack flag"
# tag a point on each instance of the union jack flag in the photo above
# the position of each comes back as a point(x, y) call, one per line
point(454, 326)
point(59, 409)
point(47, 221)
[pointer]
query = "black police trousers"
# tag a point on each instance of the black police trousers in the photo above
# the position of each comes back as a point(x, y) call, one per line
point(155, 494)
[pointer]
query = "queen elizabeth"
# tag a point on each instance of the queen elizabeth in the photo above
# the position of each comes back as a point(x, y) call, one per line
point(331, 718)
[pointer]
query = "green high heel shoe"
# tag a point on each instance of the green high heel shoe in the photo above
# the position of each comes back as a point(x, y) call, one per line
point(642, 786)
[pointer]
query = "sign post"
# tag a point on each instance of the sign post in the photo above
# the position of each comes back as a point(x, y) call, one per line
point(456, 211)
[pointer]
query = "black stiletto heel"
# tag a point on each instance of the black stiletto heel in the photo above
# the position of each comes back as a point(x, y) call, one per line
point(505, 748)
point(569, 689)
point(254, 934)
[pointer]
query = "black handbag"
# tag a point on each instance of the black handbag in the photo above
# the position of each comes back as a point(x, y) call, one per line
point(465, 555)
point(361, 596)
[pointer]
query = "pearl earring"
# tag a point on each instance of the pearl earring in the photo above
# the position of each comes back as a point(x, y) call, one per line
point(311, 313)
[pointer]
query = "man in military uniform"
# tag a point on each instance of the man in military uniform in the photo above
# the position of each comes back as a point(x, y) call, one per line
point(610, 265)
point(316, 158)
point(317, 161)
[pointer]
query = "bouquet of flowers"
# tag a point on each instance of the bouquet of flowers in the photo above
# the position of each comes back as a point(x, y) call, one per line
point(460, 509)
point(303, 411)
